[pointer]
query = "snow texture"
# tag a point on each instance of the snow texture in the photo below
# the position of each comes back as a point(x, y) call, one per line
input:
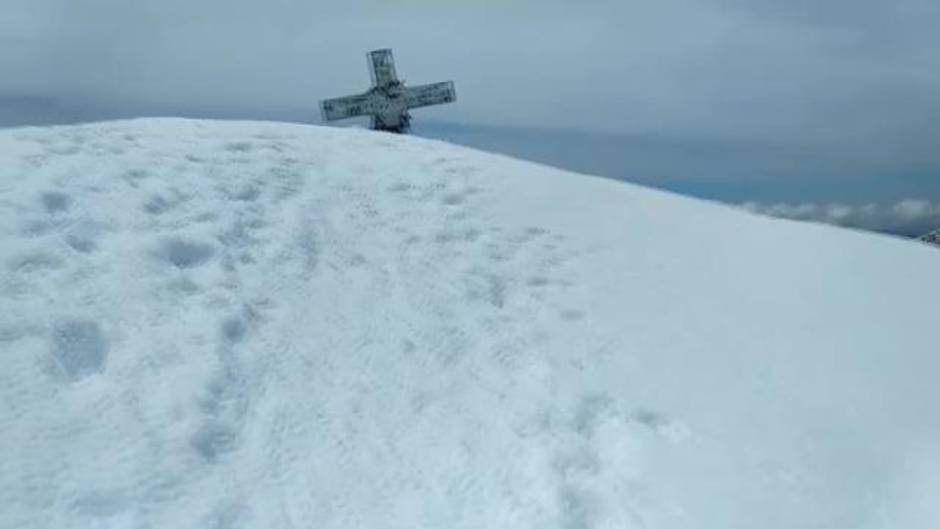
point(258, 325)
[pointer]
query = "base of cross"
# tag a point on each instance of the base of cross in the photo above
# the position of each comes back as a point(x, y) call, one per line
point(401, 126)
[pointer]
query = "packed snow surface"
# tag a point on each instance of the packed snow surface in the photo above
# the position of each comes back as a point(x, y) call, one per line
point(249, 325)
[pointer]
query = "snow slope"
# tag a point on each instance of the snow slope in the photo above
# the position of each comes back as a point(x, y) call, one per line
point(256, 325)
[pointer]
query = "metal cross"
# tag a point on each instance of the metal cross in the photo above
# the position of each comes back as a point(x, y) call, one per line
point(389, 100)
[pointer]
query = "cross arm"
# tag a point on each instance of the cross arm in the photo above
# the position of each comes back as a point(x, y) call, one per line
point(430, 94)
point(368, 104)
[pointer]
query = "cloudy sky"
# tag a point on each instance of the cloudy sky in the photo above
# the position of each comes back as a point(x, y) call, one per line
point(805, 103)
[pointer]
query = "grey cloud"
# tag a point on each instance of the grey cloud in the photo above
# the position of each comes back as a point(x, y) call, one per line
point(910, 218)
point(853, 15)
point(680, 66)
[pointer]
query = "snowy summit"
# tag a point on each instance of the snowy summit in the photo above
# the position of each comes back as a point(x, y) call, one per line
point(257, 325)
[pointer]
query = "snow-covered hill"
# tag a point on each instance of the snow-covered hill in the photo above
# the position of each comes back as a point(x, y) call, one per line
point(248, 325)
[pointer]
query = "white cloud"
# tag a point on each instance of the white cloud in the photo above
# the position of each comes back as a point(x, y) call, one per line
point(911, 217)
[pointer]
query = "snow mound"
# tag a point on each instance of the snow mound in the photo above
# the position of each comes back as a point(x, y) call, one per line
point(258, 325)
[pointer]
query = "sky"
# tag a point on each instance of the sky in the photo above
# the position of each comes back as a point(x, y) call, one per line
point(799, 104)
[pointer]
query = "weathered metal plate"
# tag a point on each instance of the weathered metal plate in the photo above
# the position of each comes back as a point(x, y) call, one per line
point(368, 104)
point(430, 94)
point(345, 107)
point(382, 67)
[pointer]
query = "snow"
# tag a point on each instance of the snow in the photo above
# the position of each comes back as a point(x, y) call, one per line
point(260, 325)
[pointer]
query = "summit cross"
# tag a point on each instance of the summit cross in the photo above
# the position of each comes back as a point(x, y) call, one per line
point(389, 100)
